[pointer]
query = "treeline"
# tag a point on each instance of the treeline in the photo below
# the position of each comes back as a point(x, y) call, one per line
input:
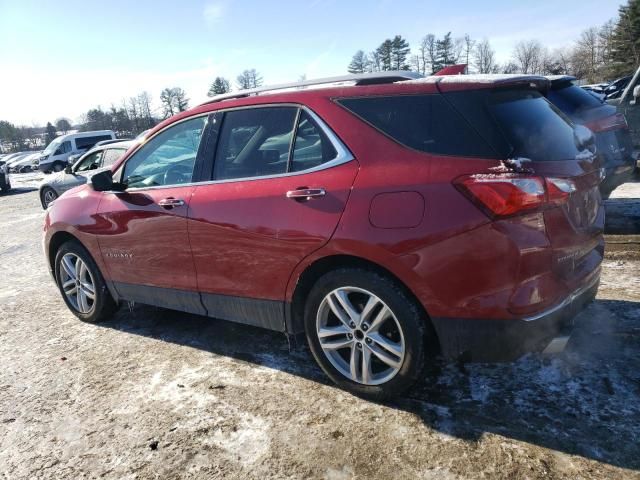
point(599, 54)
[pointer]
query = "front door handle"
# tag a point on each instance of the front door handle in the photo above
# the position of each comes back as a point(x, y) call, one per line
point(306, 193)
point(171, 202)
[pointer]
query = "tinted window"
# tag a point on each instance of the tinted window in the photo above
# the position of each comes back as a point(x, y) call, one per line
point(572, 99)
point(168, 158)
point(535, 128)
point(254, 142)
point(84, 143)
point(423, 122)
point(111, 155)
point(312, 147)
point(90, 162)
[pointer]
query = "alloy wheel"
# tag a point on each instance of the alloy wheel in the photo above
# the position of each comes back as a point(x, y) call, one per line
point(49, 196)
point(360, 335)
point(77, 283)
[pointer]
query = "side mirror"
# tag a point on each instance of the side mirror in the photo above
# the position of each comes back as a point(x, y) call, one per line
point(103, 182)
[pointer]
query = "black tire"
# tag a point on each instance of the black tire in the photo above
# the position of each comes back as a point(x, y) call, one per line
point(57, 166)
point(43, 195)
point(410, 317)
point(103, 305)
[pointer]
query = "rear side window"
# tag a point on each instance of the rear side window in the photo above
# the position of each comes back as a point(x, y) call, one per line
point(427, 123)
point(84, 143)
point(534, 128)
point(312, 147)
point(572, 99)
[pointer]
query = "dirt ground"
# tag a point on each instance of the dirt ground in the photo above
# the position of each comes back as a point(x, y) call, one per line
point(159, 394)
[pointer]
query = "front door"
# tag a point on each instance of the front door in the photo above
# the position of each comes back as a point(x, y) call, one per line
point(142, 231)
point(281, 180)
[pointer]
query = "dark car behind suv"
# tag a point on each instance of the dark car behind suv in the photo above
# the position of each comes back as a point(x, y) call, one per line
point(613, 137)
point(5, 182)
point(386, 220)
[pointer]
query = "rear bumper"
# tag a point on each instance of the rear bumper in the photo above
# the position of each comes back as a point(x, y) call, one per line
point(491, 340)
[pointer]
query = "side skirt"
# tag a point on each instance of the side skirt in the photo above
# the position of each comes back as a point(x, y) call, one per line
point(249, 311)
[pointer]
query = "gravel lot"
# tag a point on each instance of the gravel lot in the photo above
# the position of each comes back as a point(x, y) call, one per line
point(161, 394)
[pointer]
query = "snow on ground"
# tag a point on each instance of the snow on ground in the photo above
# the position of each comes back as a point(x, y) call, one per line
point(160, 394)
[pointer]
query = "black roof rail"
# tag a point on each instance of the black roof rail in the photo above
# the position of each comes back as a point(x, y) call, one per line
point(373, 78)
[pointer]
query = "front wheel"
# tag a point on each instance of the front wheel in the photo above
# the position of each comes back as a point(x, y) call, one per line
point(81, 284)
point(47, 196)
point(58, 166)
point(365, 332)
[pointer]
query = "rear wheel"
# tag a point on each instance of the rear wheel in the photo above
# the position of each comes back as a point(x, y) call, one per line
point(365, 332)
point(47, 196)
point(81, 284)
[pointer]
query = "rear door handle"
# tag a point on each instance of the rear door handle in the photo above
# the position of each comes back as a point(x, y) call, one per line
point(306, 193)
point(171, 202)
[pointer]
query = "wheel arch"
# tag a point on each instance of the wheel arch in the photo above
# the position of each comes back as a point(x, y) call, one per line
point(321, 266)
point(57, 240)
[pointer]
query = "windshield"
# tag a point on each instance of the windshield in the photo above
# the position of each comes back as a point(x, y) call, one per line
point(52, 146)
point(572, 99)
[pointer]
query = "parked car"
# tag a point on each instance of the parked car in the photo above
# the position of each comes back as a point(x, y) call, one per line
point(5, 181)
point(616, 88)
point(16, 158)
point(628, 104)
point(383, 218)
point(613, 138)
point(26, 163)
point(55, 156)
point(95, 160)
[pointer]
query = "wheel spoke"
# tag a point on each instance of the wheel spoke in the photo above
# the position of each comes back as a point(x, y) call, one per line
point(336, 344)
point(69, 267)
point(379, 319)
point(337, 311)
point(87, 292)
point(80, 269)
point(385, 356)
point(384, 342)
point(371, 304)
point(83, 304)
point(69, 285)
point(353, 362)
point(324, 332)
point(366, 364)
point(345, 303)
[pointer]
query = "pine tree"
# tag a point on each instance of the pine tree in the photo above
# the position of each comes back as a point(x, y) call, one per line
point(399, 51)
point(51, 133)
point(359, 63)
point(182, 102)
point(626, 38)
point(445, 54)
point(219, 86)
point(384, 54)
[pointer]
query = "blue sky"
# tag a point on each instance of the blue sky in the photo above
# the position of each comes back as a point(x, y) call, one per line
point(61, 58)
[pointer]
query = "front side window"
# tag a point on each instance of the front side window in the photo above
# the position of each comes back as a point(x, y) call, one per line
point(90, 162)
point(168, 158)
point(65, 147)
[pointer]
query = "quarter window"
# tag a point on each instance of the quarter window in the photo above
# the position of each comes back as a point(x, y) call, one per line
point(168, 158)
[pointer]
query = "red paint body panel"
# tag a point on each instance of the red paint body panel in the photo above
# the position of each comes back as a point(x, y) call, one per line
point(247, 237)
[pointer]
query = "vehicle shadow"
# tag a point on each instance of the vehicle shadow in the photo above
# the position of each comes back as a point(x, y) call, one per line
point(18, 191)
point(585, 401)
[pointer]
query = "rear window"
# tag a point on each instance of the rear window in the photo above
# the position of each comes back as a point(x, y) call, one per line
point(427, 123)
point(572, 99)
point(534, 128)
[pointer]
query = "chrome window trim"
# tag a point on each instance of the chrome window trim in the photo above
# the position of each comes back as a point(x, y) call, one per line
point(343, 153)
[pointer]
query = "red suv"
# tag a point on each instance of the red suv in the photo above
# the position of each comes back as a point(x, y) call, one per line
point(387, 219)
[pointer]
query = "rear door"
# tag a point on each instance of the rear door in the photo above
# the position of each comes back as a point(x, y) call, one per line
point(279, 185)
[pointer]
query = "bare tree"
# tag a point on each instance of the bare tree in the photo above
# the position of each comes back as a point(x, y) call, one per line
point(63, 125)
point(468, 49)
point(484, 58)
point(249, 79)
point(527, 56)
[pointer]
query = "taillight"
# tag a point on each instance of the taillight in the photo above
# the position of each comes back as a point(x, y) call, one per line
point(612, 122)
point(503, 196)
